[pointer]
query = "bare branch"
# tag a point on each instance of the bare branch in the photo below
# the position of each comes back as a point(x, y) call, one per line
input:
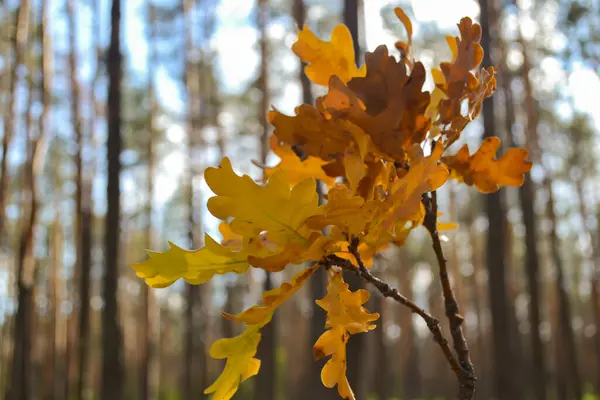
point(387, 291)
point(467, 379)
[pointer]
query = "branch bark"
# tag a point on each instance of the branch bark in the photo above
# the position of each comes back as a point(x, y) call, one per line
point(387, 291)
point(467, 380)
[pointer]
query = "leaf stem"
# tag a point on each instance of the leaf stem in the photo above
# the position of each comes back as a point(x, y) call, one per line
point(467, 378)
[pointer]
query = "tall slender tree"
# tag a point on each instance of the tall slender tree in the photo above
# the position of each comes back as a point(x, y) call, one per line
point(192, 348)
point(532, 263)
point(19, 45)
point(266, 382)
point(567, 337)
point(43, 143)
point(57, 344)
point(356, 346)
point(496, 243)
point(23, 338)
point(79, 321)
point(148, 368)
point(112, 367)
point(312, 387)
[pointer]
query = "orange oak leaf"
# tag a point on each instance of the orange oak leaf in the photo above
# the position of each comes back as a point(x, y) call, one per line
point(388, 103)
point(461, 79)
point(405, 48)
point(313, 134)
point(484, 171)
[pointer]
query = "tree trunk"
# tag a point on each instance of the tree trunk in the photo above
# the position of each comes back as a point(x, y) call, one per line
point(312, 387)
point(481, 353)
point(410, 371)
point(567, 337)
point(55, 391)
point(148, 368)
point(193, 372)
point(47, 65)
point(267, 380)
point(532, 264)
point(495, 248)
point(22, 373)
point(356, 345)
point(22, 365)
point(112, 364)
point(383, 378)
point(19, 47)
point(595, 290)
point(79, 334)
point(5, 329)
point(520, 372)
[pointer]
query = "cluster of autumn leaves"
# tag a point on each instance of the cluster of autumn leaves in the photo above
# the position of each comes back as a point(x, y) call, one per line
point(377, 142)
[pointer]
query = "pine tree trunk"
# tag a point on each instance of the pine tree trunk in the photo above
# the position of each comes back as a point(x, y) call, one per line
point(312, 387)
point(22, 373)
point(79, 334)
point(532, 264)
point(193, 371)
point(495, 247)
point(56, 356)
point(112, 348)
point(148, 368)
point(567, 337)
point(481, 353)
point(267, 380)
point(383, 379)
point(20, 40)
point(22, 365)
point(47, 77)
point(356, 345)
point(410, 372)
point(520, 372)
point(595, 290)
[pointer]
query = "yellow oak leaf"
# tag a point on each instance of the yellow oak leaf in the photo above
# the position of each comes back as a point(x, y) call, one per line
point(240, 350)
point(349, 213)
point(484, 171)
point(273, 207)
point(230, 238)
point(196, 267)
point(333, 343)
point(345, 316)
point(354, 168)
point(404, 201)
point(240, 365)
point(296, 169)
point(326, 59)
point(262, 314)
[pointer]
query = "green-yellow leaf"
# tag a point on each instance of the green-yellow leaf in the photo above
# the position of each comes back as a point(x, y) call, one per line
point(240, 350)
point(240, 365)
point(196, 267)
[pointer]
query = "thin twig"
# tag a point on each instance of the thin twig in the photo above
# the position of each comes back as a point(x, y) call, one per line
point(467, 379)
point(387, 291)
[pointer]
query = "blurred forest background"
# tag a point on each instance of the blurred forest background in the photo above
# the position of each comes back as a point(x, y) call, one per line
point(110, 111)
